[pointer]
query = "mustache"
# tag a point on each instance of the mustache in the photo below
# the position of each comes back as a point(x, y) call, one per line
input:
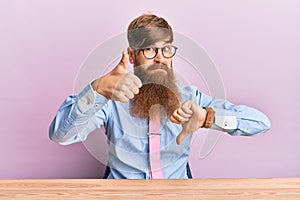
point(146, 75)
point(158, 66)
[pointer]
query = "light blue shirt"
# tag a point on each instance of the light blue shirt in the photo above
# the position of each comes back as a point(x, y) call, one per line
point(127, 136)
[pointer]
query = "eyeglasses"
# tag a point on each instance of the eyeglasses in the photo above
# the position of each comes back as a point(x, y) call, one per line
point(167, 51)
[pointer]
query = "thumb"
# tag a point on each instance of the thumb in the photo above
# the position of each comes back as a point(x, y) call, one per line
point(180, 137)
point(124, 60)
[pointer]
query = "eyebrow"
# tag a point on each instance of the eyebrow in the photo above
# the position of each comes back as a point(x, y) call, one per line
point(160, 46)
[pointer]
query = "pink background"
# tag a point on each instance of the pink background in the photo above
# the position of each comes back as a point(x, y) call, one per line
point(254, 43)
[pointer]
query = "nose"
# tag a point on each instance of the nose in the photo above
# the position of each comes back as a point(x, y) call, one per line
point(159, 57)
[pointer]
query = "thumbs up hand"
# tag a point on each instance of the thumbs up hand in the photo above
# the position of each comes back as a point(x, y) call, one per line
point(191, 116)
point(119, 84)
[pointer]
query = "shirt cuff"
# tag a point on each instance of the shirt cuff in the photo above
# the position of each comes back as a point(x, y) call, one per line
point(224, 120)
point(90, 99)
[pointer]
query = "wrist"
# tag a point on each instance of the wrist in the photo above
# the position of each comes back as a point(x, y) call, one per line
point(96, 85)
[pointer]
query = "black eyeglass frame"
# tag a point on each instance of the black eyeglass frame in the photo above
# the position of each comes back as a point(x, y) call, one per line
point(156, 51)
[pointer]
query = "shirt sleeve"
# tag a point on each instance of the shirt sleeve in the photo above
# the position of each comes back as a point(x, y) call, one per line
point(78, 116)
point(234, 119)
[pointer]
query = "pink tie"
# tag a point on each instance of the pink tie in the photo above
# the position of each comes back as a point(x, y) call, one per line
point(154, 147)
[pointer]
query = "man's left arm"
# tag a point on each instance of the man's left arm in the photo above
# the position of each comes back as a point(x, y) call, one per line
point(235, 119)
point(225, 116)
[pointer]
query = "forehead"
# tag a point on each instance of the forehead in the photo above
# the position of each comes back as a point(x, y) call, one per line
point(161, 44)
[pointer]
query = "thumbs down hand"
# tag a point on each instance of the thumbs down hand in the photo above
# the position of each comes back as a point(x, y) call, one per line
point(191, 116)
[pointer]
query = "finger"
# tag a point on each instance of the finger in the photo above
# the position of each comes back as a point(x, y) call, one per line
point(123, 89)
point(124, 60)
point(128, 93)
point(180, 137)
point(174, 120)
point(120, 96)
point(179, 117)
point(129, 83)
point(134, 89)
point(136, 80)
point(186, 107)
point(123, 99)
point(181, 112)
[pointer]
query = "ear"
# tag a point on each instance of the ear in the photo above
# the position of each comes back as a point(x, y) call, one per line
point(130, 53)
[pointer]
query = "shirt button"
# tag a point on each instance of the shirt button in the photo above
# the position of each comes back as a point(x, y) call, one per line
point(96, 105)
point(70, 121)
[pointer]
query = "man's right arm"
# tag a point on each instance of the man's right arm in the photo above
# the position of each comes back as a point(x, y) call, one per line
point(78, 116)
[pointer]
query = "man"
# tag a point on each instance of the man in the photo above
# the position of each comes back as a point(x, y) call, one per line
point(148, 118)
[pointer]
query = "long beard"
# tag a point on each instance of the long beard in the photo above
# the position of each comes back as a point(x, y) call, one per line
point(158, 88)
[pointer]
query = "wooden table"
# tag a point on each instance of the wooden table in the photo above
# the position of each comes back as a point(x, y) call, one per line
point(225, 189)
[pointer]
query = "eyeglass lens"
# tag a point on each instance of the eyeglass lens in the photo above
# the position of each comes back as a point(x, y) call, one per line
point(167, 51)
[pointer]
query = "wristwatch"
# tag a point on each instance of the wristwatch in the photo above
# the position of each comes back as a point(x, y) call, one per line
point(210, 117)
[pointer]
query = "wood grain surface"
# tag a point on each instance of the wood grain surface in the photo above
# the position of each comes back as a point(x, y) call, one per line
point(74, 189)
